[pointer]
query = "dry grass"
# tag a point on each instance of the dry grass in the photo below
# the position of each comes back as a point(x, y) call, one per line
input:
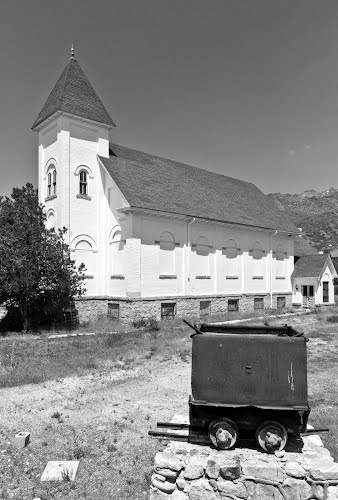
point(94, 399)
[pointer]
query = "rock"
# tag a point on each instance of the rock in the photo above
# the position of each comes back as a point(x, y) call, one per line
point(230, 469)
point(267, 492)
point(159, 477)
point(294, 469)
point(165, 486)
point(280, 453)
point(156, 494)
point(229, 488)
point(181, 482)
point(212, 469)
point(178, 495)
point(263, 468)
point(164, 460)
point(213, 484)
point(193, 470)
point(332, 493)
point(321, 469)
point(296, 488)
point(251, 487)
point(201, 490)
point(168, 473)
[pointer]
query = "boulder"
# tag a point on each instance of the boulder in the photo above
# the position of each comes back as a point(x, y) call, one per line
point(212, 469)
point(201, 490)
point(193, 470)
point(296, 489)
point(156, 494)
point(168, 473)
point(164, 486)
point(263, 468)
point(294, 469)
point(321, 469)
point(229, 488)
point(165, 460)
point(178, 495)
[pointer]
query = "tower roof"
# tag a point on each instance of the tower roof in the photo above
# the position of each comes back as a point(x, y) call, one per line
point(74, 94)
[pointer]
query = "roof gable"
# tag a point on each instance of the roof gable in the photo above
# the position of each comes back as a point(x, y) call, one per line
point(155, 183)
point(74, 94)
point(310, 266)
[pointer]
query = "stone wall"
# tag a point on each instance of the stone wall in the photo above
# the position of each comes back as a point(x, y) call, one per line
point(186, 471)
point(90, 308)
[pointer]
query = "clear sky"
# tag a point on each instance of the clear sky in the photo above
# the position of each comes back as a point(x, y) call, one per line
point(246, 88)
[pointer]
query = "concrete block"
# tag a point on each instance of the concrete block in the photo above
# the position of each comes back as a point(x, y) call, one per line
point(21, 439)
point(60, 471)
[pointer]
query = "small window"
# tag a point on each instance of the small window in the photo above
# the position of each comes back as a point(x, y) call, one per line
point(311, 292)
point(54, 182)
point(205, 307)
point(114, 311)
point(233, 305)
point(258, 303)
point(168, 311)
point(281, 302)
point(83, 182)
point(49, 184)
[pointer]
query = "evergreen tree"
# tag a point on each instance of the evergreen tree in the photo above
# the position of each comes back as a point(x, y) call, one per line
point(37, 276)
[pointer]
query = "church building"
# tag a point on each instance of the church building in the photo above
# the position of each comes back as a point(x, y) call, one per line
point(158, 238)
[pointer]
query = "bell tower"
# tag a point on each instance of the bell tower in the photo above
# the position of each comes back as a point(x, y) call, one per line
point(73, 127)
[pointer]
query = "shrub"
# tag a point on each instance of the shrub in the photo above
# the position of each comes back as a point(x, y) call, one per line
point(332, 319)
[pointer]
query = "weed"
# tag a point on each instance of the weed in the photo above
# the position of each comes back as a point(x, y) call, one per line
point(111, 448)
point(66, 475)
point(78, 452)
point(56, 415)
point(332, 319)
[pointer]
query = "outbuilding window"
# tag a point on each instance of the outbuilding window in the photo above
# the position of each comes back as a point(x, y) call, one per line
point(258, 303)
point(168, 310)
point(233, 305)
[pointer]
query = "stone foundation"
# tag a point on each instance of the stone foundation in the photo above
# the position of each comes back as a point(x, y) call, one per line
point(129, 309)
point(186, 471)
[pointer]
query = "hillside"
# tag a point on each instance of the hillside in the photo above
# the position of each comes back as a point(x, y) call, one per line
point(316, 213)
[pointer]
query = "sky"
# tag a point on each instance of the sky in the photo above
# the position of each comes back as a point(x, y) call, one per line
point(245, 88)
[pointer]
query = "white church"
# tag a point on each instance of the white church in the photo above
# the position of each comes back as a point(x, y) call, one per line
point(158, 238)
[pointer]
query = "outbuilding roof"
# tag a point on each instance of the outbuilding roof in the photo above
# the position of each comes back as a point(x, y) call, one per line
point(74, 94)
point(155, 183)
point(310, 266)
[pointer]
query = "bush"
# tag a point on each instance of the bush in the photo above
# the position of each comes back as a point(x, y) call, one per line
point(332, 319)
point(150, 324)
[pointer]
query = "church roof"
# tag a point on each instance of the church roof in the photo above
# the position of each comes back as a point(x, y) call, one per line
point(309, 266)
point(155, 183)
point(74, 94)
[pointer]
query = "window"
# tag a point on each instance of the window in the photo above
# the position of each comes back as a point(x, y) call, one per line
point(280, 271)
point(257, 255)
point(325, 291)
point(233, 305)
point(205, 307)
point(281, 302)
point(308, 290)
point(83, 183)
point(84, 254)
point(51, 181)
point(167, 254)
point(114, 311)
point(54, 182)
point(49, 184)
point(168, 311)
point(202, 256)
point(258, 303)
point(231, 263)
point(118, 255)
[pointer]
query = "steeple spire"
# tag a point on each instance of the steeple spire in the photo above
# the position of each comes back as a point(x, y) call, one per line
point(72, 52)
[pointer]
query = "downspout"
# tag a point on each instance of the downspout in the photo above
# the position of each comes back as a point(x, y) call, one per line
point(189, 247)
point(270, 251)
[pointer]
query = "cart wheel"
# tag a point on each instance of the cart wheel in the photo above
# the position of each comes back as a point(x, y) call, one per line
point(271, 436)
point(223, 433)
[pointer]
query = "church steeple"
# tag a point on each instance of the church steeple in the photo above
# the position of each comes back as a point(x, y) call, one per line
point(74, 94)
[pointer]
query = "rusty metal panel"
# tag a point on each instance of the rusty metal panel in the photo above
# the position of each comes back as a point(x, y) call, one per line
point(263, 370)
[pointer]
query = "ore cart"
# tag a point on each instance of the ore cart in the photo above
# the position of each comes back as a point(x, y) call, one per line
point(249, 381)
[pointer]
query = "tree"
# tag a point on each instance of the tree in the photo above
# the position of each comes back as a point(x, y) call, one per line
point(37, 275)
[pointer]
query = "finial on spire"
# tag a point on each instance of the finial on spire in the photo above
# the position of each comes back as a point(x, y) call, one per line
point(72, 52)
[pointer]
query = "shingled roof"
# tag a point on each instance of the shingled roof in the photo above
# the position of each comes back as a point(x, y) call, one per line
point(74, 94)
point(155, 183)
point(309, 266)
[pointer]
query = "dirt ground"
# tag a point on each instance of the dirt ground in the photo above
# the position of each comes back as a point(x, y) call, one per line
point(102, 419)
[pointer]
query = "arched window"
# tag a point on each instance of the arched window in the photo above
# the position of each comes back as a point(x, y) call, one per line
point(51, 219)
point(118, 256)
point(202, 256)
point(51, 180)
point(280, 267)
point(258, 264)
point(167, 254)
point(231, 263)
point(84, 254)
point(83, 182)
